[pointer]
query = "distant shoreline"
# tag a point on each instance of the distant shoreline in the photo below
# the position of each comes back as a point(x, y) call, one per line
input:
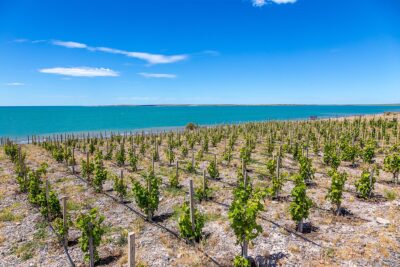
point(20, 122)
point(213, 105)
point(152, 130)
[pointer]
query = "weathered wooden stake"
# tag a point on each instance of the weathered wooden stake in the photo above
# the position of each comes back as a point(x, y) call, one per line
point(243, 167)
point(191, 193)
point(204, 180)
point(91, 248)
point(65, 222)
point(47, 198)
point(73, 160)
point(177, 169)
point(122, 182)
point(131, 249)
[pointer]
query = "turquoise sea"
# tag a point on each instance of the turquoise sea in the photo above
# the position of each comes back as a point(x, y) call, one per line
point(18, 122)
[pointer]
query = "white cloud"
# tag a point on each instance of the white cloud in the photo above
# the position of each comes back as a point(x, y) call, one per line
point(284, 1)
point(157, 59)
point(15, 84)
point(69, 44)
point(22, 40)
point(150, 58)
point(81, 72)
point(157, 75)
point(260, 3)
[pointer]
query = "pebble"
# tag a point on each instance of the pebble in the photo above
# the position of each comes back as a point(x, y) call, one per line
point(382, 221)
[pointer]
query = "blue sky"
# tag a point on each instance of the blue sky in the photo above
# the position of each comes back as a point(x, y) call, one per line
point(199, 52)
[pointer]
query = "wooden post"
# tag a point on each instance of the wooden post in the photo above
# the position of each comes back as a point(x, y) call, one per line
point(243, 167)
point(73, 160)
point(47, 199)
point(177, 169)
point(65, 222)
point(149, 214)
point(87, 165)
point(131, 249)
point(191, 204)
point(122, 182)
point(370, 181)
point(245, 179)
point(91, 248)
point(204, 180)
point(193, 158)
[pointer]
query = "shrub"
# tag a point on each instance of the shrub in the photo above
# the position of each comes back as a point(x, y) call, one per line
point(90, 224)
point(120, 187)
point(120, 156)
point(365, 185)
point(147, 198)
point(392, 165)
point(185, 224)
point(100, 173)
point(240, 261)
point(301, 203)
point(213, 170)
point(243, 213)
point(335, 192)
point(133, 160)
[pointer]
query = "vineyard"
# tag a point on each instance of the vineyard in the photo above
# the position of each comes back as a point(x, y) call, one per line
point(318, 193)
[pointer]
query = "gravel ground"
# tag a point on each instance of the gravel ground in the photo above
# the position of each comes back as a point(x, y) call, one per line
point(368, 237)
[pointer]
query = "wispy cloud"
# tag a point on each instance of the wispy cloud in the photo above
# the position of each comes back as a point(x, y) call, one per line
point(260, 3)
point(148, 57)
point(81, 72)
point(69, 44)
point(15, 84)
point(284, 1)
point(23, 40)
point(157, 75)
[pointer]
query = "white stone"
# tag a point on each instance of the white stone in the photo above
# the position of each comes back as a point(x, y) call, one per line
point(382, 221)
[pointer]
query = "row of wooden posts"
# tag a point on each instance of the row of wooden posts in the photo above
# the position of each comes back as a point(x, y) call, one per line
point(131, 235)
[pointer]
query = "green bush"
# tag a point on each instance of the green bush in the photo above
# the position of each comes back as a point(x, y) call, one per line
point(335, 192)
point(365, 185)
point(147, 197)
point(185, 223)
point(90, 224)
point(301, 203)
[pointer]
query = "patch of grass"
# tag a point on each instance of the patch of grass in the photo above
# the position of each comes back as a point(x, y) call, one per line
point(177, 212)
point(74, 189)
point(25, 251)
point(61, 180)
point(390, 195)
point(212, 217)
point(7, 215)
point(173, 192)
point(137, 225)
point(41, 231)
point(72, 205)
point(122, 239)
point(329, 252)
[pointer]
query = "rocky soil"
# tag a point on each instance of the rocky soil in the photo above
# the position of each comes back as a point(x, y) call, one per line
point(369, 236)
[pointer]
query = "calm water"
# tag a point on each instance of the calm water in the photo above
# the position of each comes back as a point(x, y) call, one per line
point(22, 121)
